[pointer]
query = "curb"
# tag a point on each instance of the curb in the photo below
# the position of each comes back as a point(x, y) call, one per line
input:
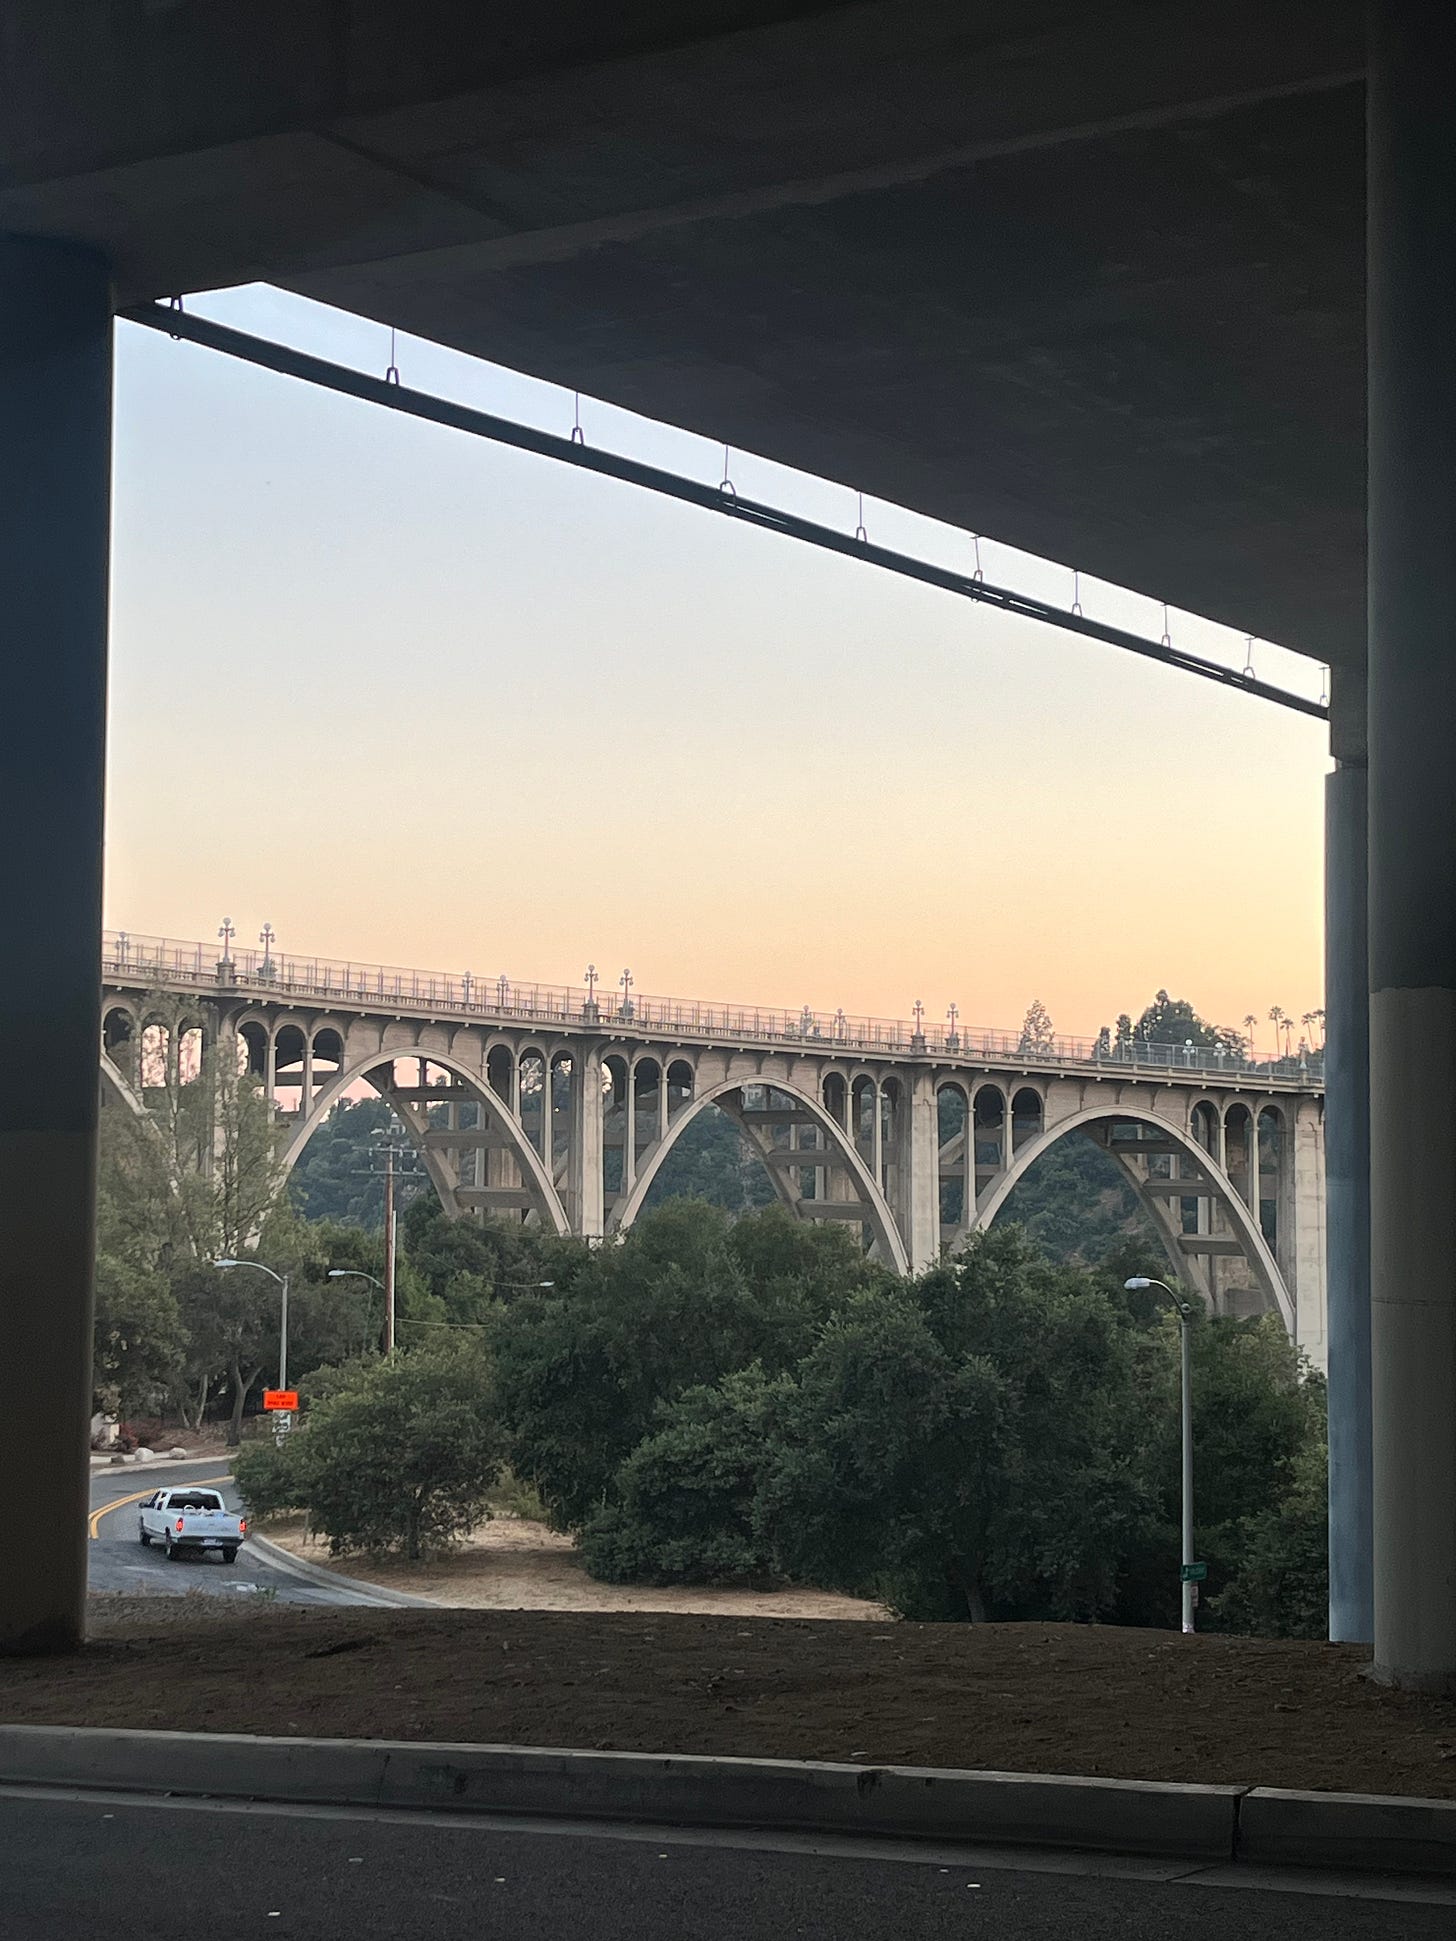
point(1006, 1809)
point(1262, 1826)
point(311, 1573)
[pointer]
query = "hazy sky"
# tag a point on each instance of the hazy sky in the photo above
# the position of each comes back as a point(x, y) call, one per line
point(413, 698)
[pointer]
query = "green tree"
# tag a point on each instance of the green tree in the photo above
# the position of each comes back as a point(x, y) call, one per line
point(1038, 1033)
point(687, 1500)
point(196, 1178)
point(339, 1176)
point(1076, 1201)
point(713, 1160)
point(962, 1446)
point(398, 1455)
point(686, 1298)
point(462, 1268)
point(1279, 1584)
point(1173, 1021)
point(139, 1340)
point(1257, 1415)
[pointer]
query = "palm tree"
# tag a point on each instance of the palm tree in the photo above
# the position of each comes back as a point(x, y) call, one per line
point(1250, 1022)
point(1278, 1020)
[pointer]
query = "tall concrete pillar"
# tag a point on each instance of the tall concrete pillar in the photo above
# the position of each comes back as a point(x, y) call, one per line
point(55, 459)
point(629, 1132)
point(919, 1208)
point(1347, 1203)
point(1412, 613)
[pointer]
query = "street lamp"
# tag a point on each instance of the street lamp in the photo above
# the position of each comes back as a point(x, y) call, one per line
point(357, 1274)
point(282, 1280)
point(1185, 1316)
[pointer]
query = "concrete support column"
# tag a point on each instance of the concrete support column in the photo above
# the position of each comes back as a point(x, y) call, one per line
point(1347, 1204)
point(661, 1101)
point(305, 1101)
point(55, 462)
point(588, 1197)
point(629, 1133)
point(919, 1208)
point(877, 1136)
point(1412, 516)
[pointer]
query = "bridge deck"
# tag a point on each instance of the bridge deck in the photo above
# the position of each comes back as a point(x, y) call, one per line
point(135, 963)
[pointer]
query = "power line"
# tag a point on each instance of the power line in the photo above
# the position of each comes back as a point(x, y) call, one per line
point(393, 396)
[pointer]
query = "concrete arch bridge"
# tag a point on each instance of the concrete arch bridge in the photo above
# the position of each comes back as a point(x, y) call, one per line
point(532, 1102)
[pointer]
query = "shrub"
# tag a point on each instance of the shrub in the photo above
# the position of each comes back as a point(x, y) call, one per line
point(688, 1497)
point(398, 1455)
point(270, 1475)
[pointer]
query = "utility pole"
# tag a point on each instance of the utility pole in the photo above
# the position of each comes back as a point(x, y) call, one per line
point(389, 1152)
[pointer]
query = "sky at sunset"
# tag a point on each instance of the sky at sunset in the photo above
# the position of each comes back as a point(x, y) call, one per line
point(413, 698)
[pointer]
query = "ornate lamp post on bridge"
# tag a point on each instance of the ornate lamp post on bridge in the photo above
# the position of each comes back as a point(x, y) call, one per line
point(625, 980)
point(953, 1036)
point(267, 937)
point(917, 1037)
point(591, 1010)
point(227, 932)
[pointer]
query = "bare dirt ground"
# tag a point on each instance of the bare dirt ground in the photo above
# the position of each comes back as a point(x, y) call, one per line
point(513, 1564)
point(1028, 1698)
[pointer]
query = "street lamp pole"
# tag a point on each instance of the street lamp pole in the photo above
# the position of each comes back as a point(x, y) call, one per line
point(1185, 1361)
point(354, 1274)
point(282, 1280)
point(389, 1251)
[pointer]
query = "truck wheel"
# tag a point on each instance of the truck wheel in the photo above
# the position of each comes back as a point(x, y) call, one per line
point(146, 1539)
point(230, 1556)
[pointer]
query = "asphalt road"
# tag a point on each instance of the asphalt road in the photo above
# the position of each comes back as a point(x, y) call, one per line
point(118, 1561)
point(73, 1865)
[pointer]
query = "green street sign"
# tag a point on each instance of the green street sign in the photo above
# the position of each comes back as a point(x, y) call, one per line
point(1192, 1573)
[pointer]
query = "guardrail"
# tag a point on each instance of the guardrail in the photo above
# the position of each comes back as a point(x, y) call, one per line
point(162, 961)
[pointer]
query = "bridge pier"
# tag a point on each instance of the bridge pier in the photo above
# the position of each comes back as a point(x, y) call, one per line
point(1347, 1200)
point(1412, 518)
point(55, 481)
point(584, 1170)
point(919, 1210)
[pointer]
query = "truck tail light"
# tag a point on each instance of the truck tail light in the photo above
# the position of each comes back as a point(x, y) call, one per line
point(242, 1526)
point(179, 1523)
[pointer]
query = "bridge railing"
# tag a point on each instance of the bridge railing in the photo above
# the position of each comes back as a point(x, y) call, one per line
point(163, 961)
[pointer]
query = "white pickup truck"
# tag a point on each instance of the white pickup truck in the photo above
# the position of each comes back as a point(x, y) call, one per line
point(191, 1519)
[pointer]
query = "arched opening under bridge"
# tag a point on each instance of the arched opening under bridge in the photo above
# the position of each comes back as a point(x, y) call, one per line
point(1210, 1236)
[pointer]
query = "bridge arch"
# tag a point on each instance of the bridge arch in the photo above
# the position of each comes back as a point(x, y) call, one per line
point(495, 1111)
point(867, 1190)
point(1244, 1225)
point(118, 1086)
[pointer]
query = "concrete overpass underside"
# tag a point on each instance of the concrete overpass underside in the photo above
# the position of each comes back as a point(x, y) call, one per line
point(1089, 280)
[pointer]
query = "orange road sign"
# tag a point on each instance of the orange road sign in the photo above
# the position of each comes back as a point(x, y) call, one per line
point(280, 1398)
